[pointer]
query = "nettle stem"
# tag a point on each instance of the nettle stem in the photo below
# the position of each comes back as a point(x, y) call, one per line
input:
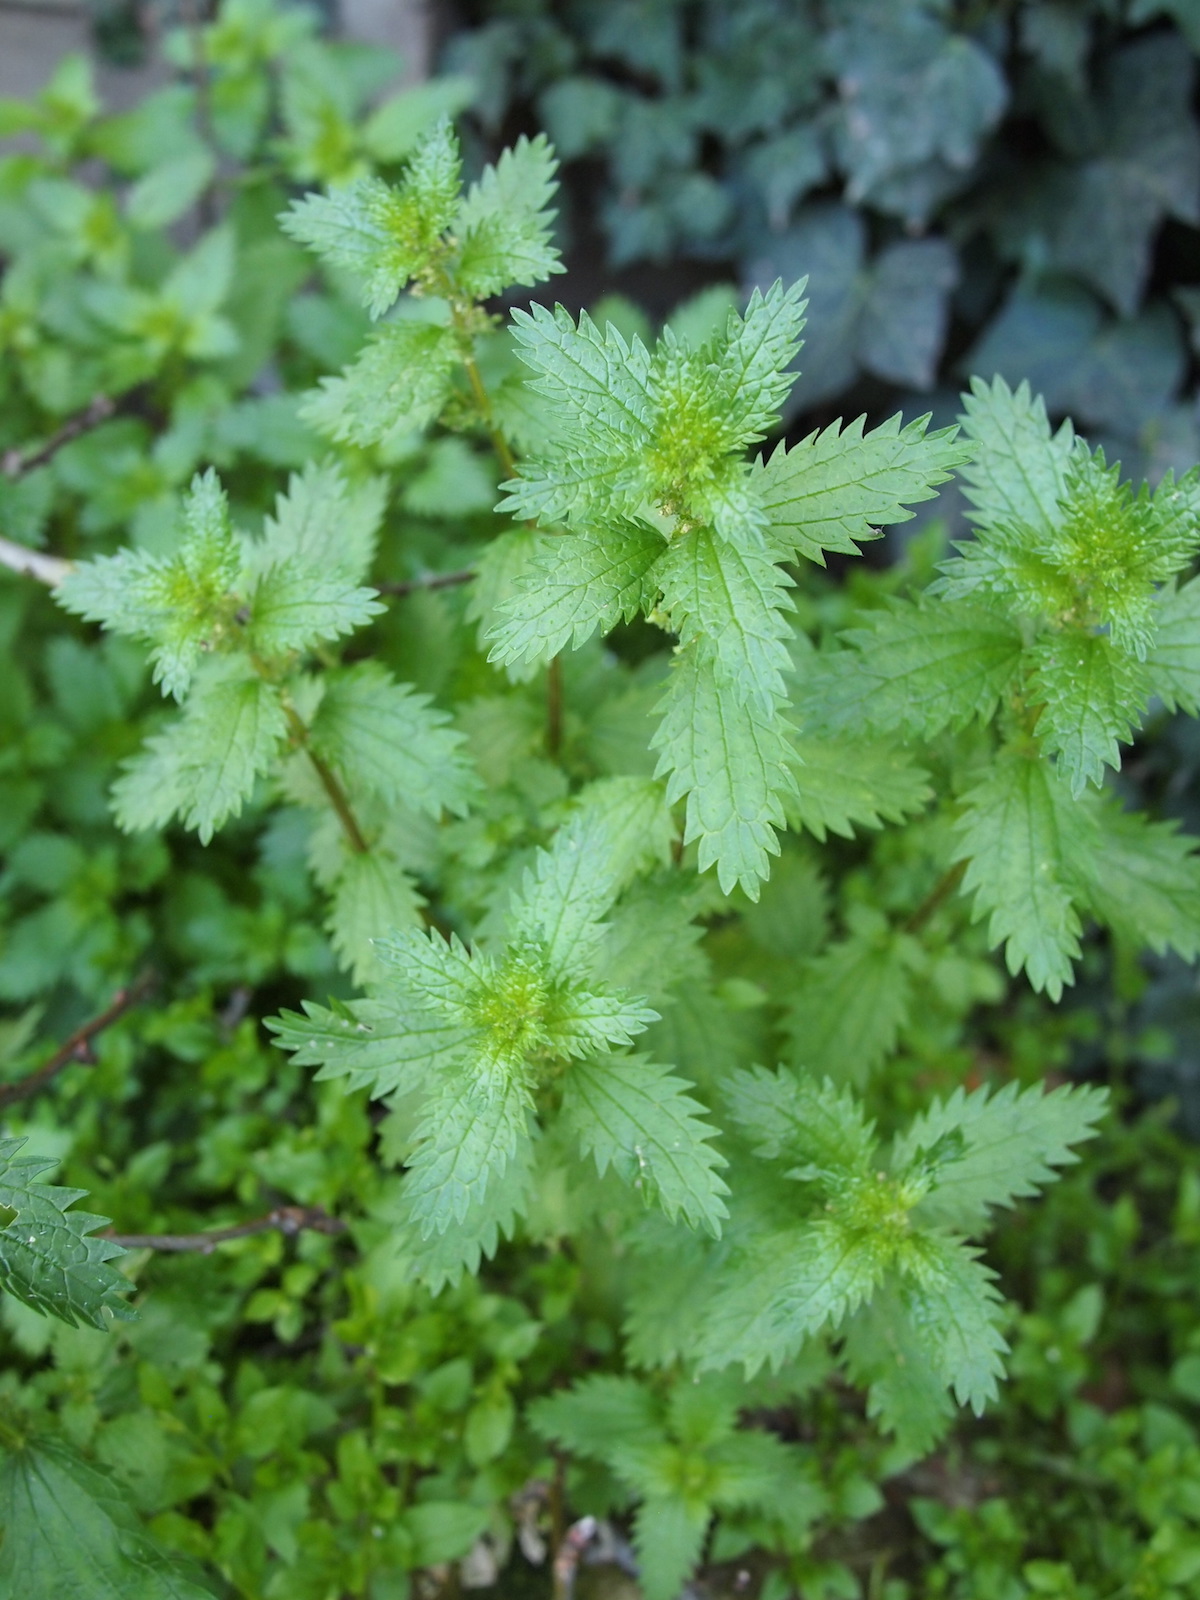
point(941, 892)
point(328, 779)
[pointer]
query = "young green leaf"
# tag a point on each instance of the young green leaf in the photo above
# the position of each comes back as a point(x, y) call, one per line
point(668, 1535)
point(1174, 657)
point(798, 1118)
point(389, 1047)
point(504, 222)
point(373, 895)
point(1018, 474)
point(753, 356)
point(401, 381)
point(1092, 695)
point(467, 1135)
point(951, 1297)
point(844, 783)
point(889, 1356)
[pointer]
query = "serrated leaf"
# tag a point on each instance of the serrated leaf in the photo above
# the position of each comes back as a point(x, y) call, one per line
point(563, 897)
point(580, 1023)
point(504, 222)
point(1015, 833)
point(296, 607)
point(843, 783)
point(668, 1535)
point(401, 380)
point(637, 1117)
point(49, 1257)
point(68, 1531)
point(373, 896)
point(951, 1298)
point(573, 586)
point(384, 737)
point(754, 353)
point(733, 598)
point(1142, 878)
point(839, 487)
point(205, 763)
point(732, 763)
point(1174, 656)
point(797, 1118)
point(444, 1258)
point(889, 1357)
point(983, 1150)
point(323, 524)
point(846, 1009)
point(1018, 473)
point(921, 667)
point(1092, 696)
point(598, 1415)
point(382, 1044)
point(466, 1138)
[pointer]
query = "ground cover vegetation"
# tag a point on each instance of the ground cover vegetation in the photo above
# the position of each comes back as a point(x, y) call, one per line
point(568, 1000)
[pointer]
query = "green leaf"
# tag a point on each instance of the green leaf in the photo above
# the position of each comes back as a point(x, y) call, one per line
point(815, 1125)
point(466, 1138)
point(668, 1535)
point(951, 1298)
point(396, 125)
point(1016, 832)
point(401, 381)
point(205, 763)
point(890, 1357)
point(372, 896)
point(1142, 878)
point(734, 599)
point(384, 737)
point(1174, 656)
point(384, 236)
point(1018, 473)
point(48, 1255)
point(324, 525)
point(444, 1258)
point(839, 487)
point(389, 1047)
point(579, 1023)
point(637, 1117)
point(846, 1009)
point(754, 353)
point(443, 1530)
point(69, 1532)
point(598, 1415)
point(785, 1287)
point(178, 604)
point(504, 222)
point(920, 667)
point(1092, 695)
point(982, 1150)
point(844, 783)
point(732, 763)
point(296, 607)
point(573, 586)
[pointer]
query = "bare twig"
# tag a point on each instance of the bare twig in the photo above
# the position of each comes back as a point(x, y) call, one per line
point(288, 1220)
point(14, 463)
point(430, 580)
point(79, 1046)
point(50, 570)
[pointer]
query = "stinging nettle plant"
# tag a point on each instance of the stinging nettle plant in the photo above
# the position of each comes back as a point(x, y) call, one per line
point(521, 964)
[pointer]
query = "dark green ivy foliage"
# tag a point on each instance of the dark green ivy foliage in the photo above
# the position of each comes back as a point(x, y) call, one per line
point(970, 188)
point(672, 929)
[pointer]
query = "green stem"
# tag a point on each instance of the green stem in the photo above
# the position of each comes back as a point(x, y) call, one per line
point(941, 891)
point(554, 707)
point(337, 796)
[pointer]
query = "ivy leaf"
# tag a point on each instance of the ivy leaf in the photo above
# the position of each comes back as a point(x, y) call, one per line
point(573, 586)
point(983, 1150)
point(839, 487)
point(69, 1532)
point(732, 763)
point(49, 1257)
point(1092, 695)
point(504, 222)
point(401, 381)
point(205, 763)
point(637, 1117)
point(1015, 832)
point(384, 737)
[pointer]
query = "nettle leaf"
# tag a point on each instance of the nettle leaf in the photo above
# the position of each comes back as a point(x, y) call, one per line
point(799, 1118)
point(467, 1135)
point(69, 1531)
point(323, 524)
point(1092, 696)
point(951, 1298)
point(400, 382)
point(668, 1535)
point(1018, 473)
point(373, 895)
point(504, 222)
point(384, 236)
point(179, 604)
point(840, 487)
point(1140, 877)
point(843, 783)
point(754, 354)
point(887, 1354)
point(919, 666)
point(205, 763)
point(575, 585)
point(735, 599)
point(49, 1257)
point(385, 737)
point(386, 1045)
point(1173, 659)
point(845, 1010)
point(1016, 833)
point(731, 761)
point(443, 1259)
point(983, 1150)
point(295, 607)
point(638, 1117)
point(599, 1416)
